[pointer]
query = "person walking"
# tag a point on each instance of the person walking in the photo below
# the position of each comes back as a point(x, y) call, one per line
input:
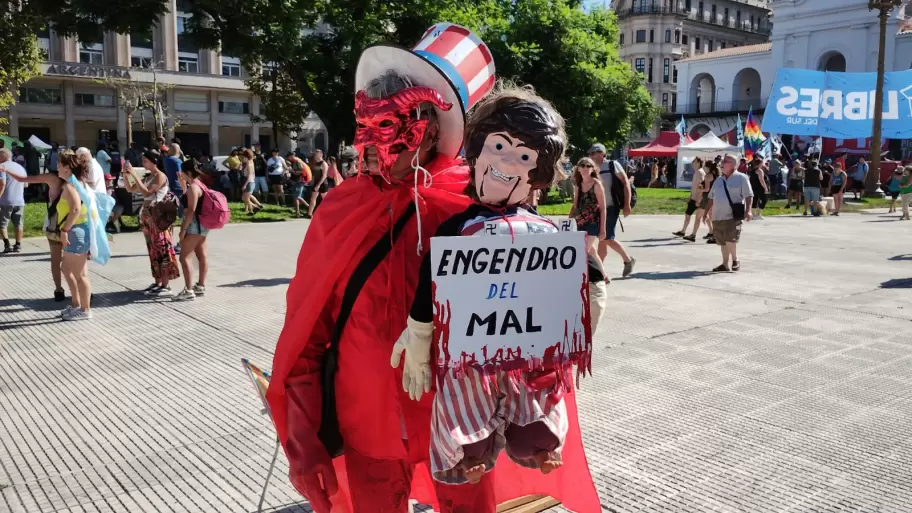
point(248, 168)
point(589, 208)
point(159, 245)
point(103, 158)
point(75, 237)
point(893, 187)
point(193, 234)
point(858, 178)
point(905, 189)
point(260, 168)
point(758, 185)
point(95, 177)
point(693, 204)
point(617, 201)
point(12, 201)
point(319, 168)
point(796, 185)
point(52, 224)
point(276, 169)
point(838, 186)
point(812, 180)
point(653, 174)
point(730, 202)
point(235, 175)
point(333, 176)
point(703, 212)
point(300, 179)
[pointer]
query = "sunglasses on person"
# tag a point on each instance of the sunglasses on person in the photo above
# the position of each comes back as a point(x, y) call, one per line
point(587, 166)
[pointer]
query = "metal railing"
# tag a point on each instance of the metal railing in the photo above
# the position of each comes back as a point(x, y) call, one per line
point(762, 28)
point(742, 106)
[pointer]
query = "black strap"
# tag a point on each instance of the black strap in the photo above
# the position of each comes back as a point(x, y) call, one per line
point(725, 186)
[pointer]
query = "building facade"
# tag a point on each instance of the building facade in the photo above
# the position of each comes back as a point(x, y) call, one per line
point(836, 35)
point(656, 34)
point(209, 107)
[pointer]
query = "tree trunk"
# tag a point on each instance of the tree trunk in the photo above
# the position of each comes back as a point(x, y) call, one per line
point(872, 181)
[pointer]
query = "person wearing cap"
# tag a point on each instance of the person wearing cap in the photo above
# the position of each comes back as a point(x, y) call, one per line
point(617, 200)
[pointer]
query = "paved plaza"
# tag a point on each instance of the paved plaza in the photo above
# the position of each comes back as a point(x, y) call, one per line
point(786, 387)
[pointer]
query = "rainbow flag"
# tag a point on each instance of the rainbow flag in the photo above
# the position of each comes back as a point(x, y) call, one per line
point(753, 137)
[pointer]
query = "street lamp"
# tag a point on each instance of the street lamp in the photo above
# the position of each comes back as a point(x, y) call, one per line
point(872, 181)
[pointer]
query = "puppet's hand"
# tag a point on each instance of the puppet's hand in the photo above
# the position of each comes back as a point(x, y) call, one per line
point(598, 300)
point(415, 342)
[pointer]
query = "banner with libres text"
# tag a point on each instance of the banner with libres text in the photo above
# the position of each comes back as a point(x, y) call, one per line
point(838, 105)
point(510, 303)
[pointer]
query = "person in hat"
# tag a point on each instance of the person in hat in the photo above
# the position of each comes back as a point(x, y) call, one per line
point(356, 278)
point(515, 141)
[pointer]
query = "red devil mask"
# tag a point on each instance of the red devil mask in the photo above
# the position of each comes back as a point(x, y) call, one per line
point(391, 124)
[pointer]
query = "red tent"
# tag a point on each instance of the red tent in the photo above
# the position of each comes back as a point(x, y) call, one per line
point(666, 145)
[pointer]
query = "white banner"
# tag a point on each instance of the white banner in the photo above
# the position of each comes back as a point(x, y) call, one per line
point(507, 303)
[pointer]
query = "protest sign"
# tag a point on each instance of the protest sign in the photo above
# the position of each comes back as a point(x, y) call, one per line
point(509, 303)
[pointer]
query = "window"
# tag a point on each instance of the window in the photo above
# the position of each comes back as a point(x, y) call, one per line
point(91, 54)
point(678, 36)
point(699, 48)
point(640, 36)
point(668, 36)
point(48, 95)
point(684, 39)
point(650, 70)
point(700, 12)
point(725, 18)
point(191, 102)
point(141, 62)
point(622, 39)
point(229, 107)
point(652, 36)
point(710, 45)
point(738, 18)
point(640, 65)
point(687, 5)
point(674, 74)
point(714, 19)
point(187, 63)
point(231, 66)
point(93, 100)
point(674, 102)
point(722, 45)
point(665, 101)
point(666, 68)
point(752, 22)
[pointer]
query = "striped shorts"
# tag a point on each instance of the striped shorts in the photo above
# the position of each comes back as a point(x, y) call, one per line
point(465, 413)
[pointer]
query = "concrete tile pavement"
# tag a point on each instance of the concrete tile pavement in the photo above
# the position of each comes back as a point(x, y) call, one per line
point(786, 387)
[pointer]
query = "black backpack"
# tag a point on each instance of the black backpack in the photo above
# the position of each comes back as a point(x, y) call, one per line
point(617, 189)
point(116, 163)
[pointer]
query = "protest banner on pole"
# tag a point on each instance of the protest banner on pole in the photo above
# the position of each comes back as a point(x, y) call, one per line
point(511, 303)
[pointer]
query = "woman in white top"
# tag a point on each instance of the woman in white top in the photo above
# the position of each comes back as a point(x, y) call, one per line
point(248, 170)
point(154, 188)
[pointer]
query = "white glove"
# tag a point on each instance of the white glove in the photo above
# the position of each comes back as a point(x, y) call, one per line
point(598, 300)
point(415, 342)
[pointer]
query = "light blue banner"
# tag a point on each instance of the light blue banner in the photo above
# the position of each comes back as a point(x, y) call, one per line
point(838, 105)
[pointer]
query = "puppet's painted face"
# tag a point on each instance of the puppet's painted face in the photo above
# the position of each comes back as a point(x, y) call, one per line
point(387, 127)
point(502, 170)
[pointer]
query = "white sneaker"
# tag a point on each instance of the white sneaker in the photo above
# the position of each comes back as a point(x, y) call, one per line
point(151, 290)
point(162, 292)
point(78, 315)
point(66, 311)
point(185, 295)
point(199, 290)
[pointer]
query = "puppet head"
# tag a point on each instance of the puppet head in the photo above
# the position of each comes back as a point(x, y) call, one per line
point(393, 125)
point(515, 141)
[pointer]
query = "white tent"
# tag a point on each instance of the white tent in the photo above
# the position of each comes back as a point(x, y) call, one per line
point(707, 148)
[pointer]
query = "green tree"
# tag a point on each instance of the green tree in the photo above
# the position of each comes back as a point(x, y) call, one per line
point(22, 20)
point(569, 55)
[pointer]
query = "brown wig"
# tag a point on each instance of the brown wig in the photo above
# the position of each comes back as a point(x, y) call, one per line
point(522, 114)
point(578, 173)
point(69, 159)
point(247, 153)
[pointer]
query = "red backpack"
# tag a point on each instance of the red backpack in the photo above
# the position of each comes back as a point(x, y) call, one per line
point(214, 212)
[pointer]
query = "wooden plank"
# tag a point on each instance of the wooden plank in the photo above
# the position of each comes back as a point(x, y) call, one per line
point(527, 504)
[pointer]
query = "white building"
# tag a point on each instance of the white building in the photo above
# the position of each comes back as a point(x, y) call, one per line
point(832, 35)
point(69, 103)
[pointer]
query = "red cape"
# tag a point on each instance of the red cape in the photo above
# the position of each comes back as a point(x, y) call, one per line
point(335, 236)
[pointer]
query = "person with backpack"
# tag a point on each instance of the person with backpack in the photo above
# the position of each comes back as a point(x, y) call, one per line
point(116, 161)
point(193, 232)
point(620, 196)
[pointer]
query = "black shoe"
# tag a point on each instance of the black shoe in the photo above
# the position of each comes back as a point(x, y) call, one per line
point(711, 240)
point(679, 234)
point(721, 269)
point(736, 265)
point(6, 247)
point(707, 236)
point(17, 248)
point(59, 296)
point(690, 238)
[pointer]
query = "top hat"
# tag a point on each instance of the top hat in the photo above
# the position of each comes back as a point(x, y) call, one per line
point(450, 59)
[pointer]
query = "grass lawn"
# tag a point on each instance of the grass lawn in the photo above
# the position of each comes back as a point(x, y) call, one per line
point(34, 217)
point(673, 201)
